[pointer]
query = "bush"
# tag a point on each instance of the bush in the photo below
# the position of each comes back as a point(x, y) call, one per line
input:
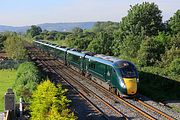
point(27, 80)
point(49, 103)
point(10, 64)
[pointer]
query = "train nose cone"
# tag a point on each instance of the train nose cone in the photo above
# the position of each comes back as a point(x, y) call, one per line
point(131, 85)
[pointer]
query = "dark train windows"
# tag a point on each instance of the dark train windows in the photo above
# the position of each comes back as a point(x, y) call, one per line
point(128, 71)
point(92, 65)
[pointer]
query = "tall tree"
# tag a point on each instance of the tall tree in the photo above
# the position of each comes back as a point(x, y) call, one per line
point(174, 22)
point(2, 39)
point(14, 47)
point(34, 31)
point(142, 20)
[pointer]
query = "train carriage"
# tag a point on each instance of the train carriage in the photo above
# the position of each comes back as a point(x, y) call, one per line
point(53, 49)
point(116, 75)
point(75, 60)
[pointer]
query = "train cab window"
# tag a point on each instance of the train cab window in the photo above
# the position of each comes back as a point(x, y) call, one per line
point(128, 71)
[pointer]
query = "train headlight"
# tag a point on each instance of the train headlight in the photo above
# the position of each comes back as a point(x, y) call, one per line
point(122, 84)
point(137, 79)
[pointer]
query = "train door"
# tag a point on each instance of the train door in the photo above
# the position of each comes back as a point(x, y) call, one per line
point(108, 73)
point(114, 78)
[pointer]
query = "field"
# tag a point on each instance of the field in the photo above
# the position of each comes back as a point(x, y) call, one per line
point(7, 78)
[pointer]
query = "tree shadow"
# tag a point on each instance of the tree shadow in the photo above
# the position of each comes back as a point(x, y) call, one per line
point(158, 87)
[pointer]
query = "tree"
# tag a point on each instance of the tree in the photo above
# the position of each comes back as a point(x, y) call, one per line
point(128, 48)
point(77, 30)
point(143, 18)
point(174, 22)
point(80, 40)
point(172, 51)
point(105, 26)
point(34, 30)
point(2, 39)
point(175, 66)
point(26, 81)
point(150, 52)
point(14, 47)
point(102, 43)
point(49, 103)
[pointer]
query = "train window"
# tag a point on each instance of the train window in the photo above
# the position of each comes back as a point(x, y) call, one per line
point(92, 65)
point(128, 71)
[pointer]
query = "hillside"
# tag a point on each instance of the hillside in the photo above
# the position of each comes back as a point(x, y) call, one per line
point(50, 26)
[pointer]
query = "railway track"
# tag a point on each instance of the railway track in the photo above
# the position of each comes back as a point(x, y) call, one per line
point(83, 93)
point(149, 115)
point(149, 107)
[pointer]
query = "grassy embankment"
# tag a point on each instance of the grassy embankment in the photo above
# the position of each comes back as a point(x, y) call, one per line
point(7, 78)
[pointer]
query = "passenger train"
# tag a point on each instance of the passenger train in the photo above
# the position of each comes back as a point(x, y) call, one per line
point(118, 76)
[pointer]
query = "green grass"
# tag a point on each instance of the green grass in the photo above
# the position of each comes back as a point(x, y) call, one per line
point(7, 78)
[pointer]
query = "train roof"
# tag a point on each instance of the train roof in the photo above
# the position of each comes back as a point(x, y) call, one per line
point(99, 60)
point(109, 60)
point(76, 53)
point(51, 45)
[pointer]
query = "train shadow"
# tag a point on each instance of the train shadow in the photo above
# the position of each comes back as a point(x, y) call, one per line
point(158, 87)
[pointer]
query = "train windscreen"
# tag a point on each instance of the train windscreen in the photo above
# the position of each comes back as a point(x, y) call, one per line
point(127, 70)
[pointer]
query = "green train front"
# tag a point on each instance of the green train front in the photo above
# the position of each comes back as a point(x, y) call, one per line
point(126, 77)
point(120, 75)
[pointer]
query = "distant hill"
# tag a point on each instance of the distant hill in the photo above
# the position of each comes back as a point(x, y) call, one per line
point(50, 26)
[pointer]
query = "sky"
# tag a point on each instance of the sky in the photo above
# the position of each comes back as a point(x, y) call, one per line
point(29, 12)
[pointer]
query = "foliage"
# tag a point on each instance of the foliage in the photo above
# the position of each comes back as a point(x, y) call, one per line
point(143, 18)
point(105, 26)
point(50, 103)
point(77, 30)
point(14, 47)
point(174, 22)
point(27, 80)
point(10, 64)
point(129, 46)
point(80, 40)
point(150, 51)
point(172, 50)
point(34, 30)
point(2, 39)
point(175, 66)
point(102, 44)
